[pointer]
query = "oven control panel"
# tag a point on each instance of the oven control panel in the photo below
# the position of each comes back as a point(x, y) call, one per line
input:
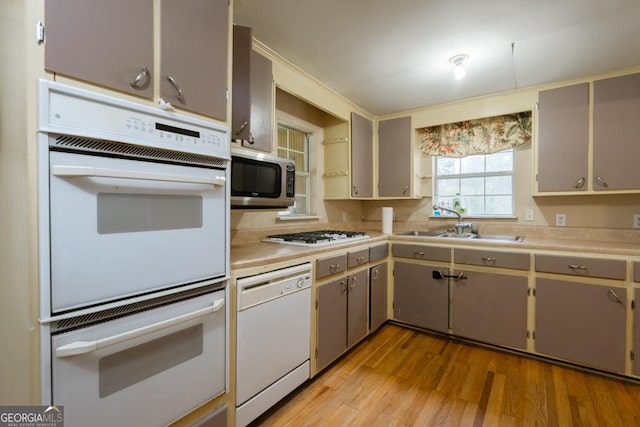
point(72, 111)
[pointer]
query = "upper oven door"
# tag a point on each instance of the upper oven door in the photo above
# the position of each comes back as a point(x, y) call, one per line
point(121, 228)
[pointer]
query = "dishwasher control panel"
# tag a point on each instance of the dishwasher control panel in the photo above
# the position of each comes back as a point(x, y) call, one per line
point(261, 288)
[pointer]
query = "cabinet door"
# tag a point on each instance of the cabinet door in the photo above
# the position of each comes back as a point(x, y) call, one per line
point(419, 299)
point(104, 42)
point(261, 77)
point(361, 156)
point(581, 322)
point(332, 321)
point(616, 109)
point(358, 305)
point(491, 308)
point(378, 297)
point(563, 128)
point(636, 332)
point(394, 164)
point(193, 54)
point(241, 105)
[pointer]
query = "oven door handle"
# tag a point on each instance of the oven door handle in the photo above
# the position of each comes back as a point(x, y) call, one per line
point(84, 347)
point(89, 171)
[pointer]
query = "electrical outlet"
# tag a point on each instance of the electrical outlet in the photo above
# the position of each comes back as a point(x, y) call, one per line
point(561, 220)
point(528, 215)
point(636, 221)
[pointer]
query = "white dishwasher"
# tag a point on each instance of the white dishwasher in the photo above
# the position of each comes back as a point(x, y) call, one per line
point(273, 338)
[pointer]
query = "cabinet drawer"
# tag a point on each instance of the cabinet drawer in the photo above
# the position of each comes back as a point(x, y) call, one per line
point(492, 258)
point(378, 252)
point(578, 266)
point(331, 265)
point(421, 252)
point(357, 258)
point(636, 271)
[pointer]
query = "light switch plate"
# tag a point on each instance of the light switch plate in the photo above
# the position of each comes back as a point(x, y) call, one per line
point(528, 215)
point(636, 221)
point(561, 220)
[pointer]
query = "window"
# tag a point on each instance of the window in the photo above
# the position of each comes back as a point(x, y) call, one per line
point(484, 182)
point(294, 145)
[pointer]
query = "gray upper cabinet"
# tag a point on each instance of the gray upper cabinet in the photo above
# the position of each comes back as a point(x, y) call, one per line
point(252, 106)
point(109, 43)
point(563, 135)
point(361, 156)
point(616, 144)
point(193, 55)
point(394, 164)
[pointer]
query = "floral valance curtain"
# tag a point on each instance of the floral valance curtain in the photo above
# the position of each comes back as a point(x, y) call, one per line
point(481, 136)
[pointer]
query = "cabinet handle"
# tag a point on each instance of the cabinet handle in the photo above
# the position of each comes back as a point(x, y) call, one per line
point(418, 253)
point(404, 192)
point(355, 190)
point(489, 259)
point(353, 282)
point(577, 267)
point(334, 267)
point(375, 274)
point(343, 287)
point(438, 275)
point(601, 182)
point(579, 183)
point(360, 260)
point(174, 83)
point(614, 296)
point(242, 126)
point(140, 79)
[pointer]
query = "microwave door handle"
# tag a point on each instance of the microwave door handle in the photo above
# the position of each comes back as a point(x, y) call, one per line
point(84, 347)
point(89, 171)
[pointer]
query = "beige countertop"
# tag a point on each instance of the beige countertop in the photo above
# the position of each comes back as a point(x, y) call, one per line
point(254, 254)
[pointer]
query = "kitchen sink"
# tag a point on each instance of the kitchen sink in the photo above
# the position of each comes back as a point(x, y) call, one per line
point(499, 237)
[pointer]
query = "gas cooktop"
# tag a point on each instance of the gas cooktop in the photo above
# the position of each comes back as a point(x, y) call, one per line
point(316, 238)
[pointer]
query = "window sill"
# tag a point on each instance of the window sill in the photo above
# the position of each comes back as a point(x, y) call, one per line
point(285, 218)
point(465, 217)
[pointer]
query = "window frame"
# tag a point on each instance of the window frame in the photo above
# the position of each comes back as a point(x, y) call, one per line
point(293, 210)
point(459, 176)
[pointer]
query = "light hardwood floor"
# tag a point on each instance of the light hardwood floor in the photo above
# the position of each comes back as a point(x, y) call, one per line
point(402, 377)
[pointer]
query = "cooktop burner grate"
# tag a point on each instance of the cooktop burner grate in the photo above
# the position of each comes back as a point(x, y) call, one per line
point(315, 238)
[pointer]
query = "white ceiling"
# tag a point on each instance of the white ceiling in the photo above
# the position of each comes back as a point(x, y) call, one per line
point(393, 55)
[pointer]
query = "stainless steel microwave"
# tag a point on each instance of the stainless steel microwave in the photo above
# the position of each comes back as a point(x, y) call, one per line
point(261, 181)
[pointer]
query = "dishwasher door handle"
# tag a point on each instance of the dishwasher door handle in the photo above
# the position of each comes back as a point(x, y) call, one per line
point(84, 347)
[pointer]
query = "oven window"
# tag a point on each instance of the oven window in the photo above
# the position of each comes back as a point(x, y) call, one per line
point(127, 213)
point(121, 370)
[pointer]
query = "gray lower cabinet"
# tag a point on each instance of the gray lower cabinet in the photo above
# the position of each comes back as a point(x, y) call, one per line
point(341, 315)
point(636, 329)
point(419, 299)
point(581, 322)
point(491, 308)
point(377, 296)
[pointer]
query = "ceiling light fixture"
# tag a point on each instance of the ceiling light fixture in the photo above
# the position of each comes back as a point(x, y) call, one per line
point(458, 60)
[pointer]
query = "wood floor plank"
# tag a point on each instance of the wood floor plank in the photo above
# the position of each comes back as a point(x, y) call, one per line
point(402, 377)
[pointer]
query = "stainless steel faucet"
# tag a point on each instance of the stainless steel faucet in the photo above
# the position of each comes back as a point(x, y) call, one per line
point(460, 225)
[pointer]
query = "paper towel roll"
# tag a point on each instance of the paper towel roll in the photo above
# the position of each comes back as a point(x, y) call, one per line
point(387, 220)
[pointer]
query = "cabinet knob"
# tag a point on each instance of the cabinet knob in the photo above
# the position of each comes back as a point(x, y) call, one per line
point(404, 192)
point(614, 296)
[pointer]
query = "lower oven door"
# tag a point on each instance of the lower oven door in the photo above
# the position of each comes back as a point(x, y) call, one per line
point(123, 227)
point(149, 368)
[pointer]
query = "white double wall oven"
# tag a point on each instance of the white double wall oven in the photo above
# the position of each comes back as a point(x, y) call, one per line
point(134, 258)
